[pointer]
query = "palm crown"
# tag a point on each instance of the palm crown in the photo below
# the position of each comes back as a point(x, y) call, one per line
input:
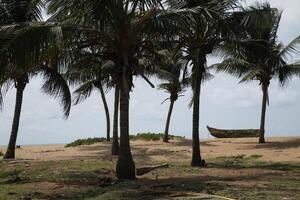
point(28, 49)
point(257, 55)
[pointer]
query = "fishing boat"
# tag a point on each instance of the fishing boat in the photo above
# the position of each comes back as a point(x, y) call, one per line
point(242, 133)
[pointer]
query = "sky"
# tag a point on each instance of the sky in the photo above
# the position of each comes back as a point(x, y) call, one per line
point(224, 104)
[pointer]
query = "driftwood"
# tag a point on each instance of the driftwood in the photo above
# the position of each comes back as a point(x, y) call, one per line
point(144, 170)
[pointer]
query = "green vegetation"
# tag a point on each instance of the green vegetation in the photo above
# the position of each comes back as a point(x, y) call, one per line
point(238, 161)
point(152, 136)
point(140, 136)
point(88, 141)
point(242, 161)
point(1, 154)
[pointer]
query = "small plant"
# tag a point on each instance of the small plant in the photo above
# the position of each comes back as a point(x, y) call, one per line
point(1, 154)
point(88, 141)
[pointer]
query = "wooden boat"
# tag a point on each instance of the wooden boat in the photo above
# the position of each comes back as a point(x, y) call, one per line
point(242, 133)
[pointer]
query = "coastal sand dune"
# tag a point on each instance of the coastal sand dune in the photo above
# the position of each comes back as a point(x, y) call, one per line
point(280, 149)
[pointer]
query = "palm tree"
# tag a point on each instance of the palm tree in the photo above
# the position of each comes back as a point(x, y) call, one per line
point(258, 56)
point(54, 85)
point(199, 40)
point(25, 58)
point(89, 79)
point(126, 31)
point(170, 70)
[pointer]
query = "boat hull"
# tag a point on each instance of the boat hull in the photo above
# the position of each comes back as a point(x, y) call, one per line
point(243, 133)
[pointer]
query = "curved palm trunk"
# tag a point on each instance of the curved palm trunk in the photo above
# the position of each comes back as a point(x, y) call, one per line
point(196, 155)
point(115, 142)
point(106, 112)
point(10, 153)
point(263, 114)
point(125, 166)
point(166, 135)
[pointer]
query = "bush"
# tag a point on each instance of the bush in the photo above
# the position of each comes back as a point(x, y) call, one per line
point(1, 154)
point(88, 141)
point(140, 136)
point(152, 136)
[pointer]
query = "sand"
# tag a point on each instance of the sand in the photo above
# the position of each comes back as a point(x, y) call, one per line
point(280, 149)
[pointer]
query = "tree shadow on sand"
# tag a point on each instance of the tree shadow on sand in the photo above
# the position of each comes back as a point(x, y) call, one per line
point(169, 188)
point(292, 143)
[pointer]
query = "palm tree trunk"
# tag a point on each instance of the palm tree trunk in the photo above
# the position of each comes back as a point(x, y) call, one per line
point(10, 153)
point(106, 112)
point(166, 135)
point(196, 155)
point(125, 166)
point(115, 142)
point(263, 113)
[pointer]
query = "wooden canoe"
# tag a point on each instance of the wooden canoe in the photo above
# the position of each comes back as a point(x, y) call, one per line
point(242, 133)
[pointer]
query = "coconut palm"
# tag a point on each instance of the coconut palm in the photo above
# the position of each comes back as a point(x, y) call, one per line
point(19, 76)
point(170, 71)
point(126, 31)
point(204, 34)
point(25, 41)
point(98, 74)
point(89, 79)
point(258, 56)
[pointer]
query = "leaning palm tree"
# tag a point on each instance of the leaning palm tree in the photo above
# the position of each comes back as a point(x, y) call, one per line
point(95, 77)
point(19, 76)
point(258, 56)
point(170, 71)
point(25, 42)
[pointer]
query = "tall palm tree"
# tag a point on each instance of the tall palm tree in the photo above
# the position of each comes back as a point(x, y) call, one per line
point(54, 85)
point(26, 58)
point(199, 40)
point(126, 31)
point(258, 56)
point(87, 67)
point(171, 70)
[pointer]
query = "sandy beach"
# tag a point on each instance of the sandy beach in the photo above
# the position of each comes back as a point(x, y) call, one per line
point(279, 149)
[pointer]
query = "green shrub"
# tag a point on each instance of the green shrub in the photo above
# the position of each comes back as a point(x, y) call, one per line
point(88, 141)
point(152, 136)
point(1, 154)
point(140, 136)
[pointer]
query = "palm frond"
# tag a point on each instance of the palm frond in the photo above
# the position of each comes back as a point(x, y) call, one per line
point(291, 49)
point(56, 86)
point(84, 91)
point(235, 67)
point(286, 73)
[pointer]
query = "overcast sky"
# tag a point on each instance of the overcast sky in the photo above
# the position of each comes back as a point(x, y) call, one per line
point(224, 104)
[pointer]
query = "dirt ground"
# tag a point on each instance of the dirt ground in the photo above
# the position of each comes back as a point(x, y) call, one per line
point(280, 149)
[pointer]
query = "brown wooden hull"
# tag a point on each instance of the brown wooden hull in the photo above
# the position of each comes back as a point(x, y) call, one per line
point(243, 133)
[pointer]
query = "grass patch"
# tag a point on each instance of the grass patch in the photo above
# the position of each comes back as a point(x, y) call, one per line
point(152, 136)
point(252, 161)
point(88, 141)
point(83, 179)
